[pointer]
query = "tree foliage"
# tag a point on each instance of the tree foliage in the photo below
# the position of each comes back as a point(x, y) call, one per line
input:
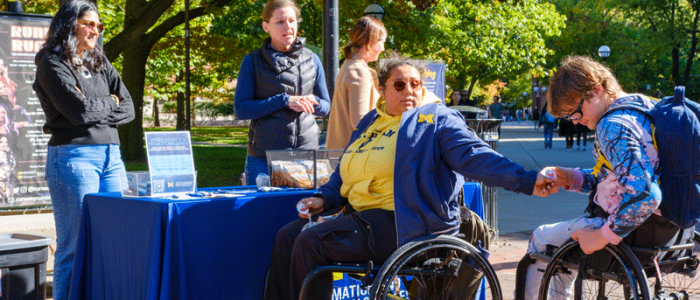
point(480, 41)
point(653, 42)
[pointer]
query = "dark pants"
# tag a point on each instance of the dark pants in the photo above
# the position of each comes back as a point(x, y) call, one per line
point(568, 129)
point(355, 237)
point(581, 131)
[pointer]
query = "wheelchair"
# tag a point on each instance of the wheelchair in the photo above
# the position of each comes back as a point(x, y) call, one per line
point(431, 267)
point(616, 272)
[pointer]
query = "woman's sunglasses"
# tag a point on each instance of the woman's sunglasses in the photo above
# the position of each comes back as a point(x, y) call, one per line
point(400, 85)
point(92, 25)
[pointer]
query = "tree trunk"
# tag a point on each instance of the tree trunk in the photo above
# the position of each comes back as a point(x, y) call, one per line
point(471, 88)
point(693, 48)
point(675, 66)
point(156, 119)
point(180, 121)
point(133, 76)
point(193, 117)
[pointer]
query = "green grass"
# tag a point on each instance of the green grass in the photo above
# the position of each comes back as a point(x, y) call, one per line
point(216, 166)
point(231, 135)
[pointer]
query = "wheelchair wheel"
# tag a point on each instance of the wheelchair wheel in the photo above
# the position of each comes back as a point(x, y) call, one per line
point(436, 267)
point(683, 282)
point(611, 273)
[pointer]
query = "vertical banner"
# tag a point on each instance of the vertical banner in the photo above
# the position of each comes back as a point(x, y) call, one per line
point(434, 78)
point(23, 145)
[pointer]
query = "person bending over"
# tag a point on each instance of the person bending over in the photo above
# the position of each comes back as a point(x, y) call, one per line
point(623, 187)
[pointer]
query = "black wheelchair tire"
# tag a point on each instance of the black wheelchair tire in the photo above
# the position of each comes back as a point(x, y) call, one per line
point(410, 251)
point(624, 266)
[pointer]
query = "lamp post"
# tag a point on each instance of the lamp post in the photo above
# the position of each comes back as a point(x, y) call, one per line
point(375, 11)
point(536, 104)
point(543, 90)
point(604, 52)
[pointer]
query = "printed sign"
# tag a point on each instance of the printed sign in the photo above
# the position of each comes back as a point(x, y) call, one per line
point(23, 144)
point(170, 162)
point(434, 78)
point(346, 288)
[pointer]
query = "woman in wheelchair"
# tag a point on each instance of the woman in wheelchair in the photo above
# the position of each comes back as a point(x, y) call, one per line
point(400, 175)
point(623, 186)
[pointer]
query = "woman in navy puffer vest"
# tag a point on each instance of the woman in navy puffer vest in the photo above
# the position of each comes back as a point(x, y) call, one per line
point(281, 87)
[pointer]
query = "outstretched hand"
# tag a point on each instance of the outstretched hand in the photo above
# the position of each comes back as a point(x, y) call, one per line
point(560, 177)
point(544, 186)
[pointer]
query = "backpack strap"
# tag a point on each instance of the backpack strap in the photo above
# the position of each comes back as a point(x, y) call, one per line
point(602, 161)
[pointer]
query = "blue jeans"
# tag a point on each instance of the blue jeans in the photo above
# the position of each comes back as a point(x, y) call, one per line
point(548, 133)
point(253, 167)
point(71, 172)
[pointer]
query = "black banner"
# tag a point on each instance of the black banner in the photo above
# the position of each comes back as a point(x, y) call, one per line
point(23, 145)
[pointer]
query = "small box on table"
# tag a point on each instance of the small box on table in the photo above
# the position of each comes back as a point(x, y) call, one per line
point(136, 184)
point(301, 168)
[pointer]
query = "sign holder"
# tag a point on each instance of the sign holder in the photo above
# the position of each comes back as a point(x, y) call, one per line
point(170, 163)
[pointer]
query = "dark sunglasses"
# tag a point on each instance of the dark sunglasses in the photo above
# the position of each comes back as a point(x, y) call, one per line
point(92, 25)
point(577, 114)
point(400, 85)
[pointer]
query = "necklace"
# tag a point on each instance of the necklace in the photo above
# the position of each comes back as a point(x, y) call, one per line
point(84, 71)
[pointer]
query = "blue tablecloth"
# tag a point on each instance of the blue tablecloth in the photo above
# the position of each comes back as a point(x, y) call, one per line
point(151, 248)
point(205, 248)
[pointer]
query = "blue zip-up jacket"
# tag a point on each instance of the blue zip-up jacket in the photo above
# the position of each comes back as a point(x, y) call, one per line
point(435, 151)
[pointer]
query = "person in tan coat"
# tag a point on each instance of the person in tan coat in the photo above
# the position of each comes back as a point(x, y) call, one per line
point(356, 85)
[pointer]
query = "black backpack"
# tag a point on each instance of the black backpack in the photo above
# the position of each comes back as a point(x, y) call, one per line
point(676, 132)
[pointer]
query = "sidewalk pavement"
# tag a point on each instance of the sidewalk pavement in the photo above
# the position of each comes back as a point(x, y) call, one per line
point(518, 214)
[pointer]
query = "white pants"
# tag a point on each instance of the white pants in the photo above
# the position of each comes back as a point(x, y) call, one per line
point(553, 234)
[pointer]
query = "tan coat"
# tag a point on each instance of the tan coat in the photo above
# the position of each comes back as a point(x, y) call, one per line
point(355, 95)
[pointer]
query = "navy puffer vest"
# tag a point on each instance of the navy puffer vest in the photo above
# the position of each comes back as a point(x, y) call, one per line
point(293, 73)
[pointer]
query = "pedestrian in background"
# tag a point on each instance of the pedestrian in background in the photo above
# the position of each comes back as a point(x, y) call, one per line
point(549, 122)
point(496, 109)
point(536, 119)
point(465, 98)
point(456, 97)
point(581, 132)
point(468, 102)
point(567, 129)
point(484, 114)
point(356, 90)
point(527, 113)
point(281, 88)
point(84, 100)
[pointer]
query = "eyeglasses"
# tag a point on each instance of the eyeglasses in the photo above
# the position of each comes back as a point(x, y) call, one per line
point(577, 114)
point(92, 25)
point(400, 85)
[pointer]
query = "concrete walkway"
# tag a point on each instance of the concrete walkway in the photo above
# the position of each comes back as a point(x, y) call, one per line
point(518, 214)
